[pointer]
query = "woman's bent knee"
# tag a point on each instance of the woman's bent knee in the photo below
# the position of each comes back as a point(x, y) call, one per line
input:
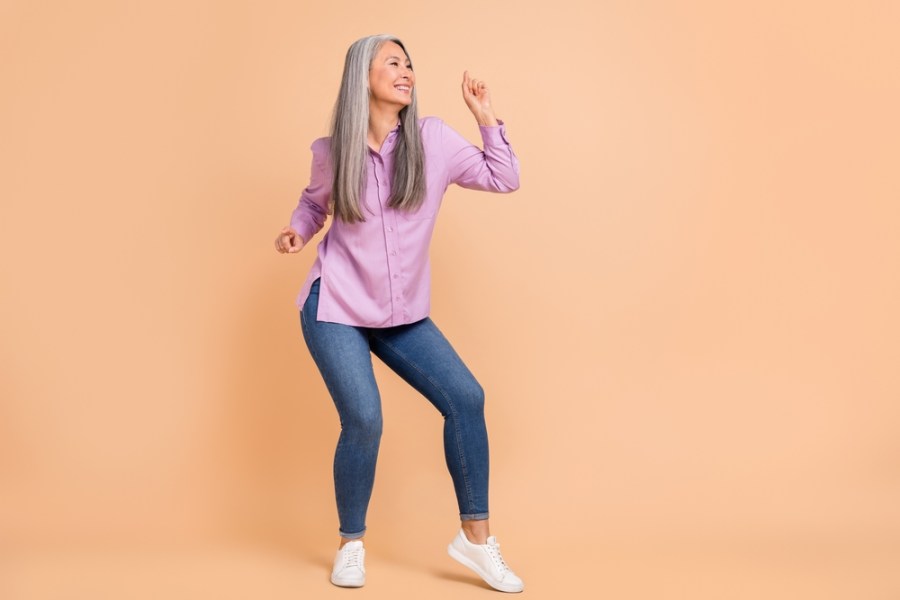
point(470, 397)
point(369, 428)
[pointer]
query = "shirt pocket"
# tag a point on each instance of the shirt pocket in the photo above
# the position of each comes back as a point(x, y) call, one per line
point(424, 213)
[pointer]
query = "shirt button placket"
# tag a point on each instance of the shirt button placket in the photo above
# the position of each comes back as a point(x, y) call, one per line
point(394, 270)
point(390, 236)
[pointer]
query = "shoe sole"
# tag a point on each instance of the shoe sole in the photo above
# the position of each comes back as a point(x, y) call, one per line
point(354, 584)
point(497, 585)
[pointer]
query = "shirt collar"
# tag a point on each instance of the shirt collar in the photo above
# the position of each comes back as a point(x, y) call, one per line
point(388, 142)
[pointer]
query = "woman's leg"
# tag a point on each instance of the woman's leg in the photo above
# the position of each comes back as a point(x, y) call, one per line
point(422, 356)
point(343, 357)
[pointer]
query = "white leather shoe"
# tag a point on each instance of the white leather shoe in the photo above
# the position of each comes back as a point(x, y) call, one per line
point(349, 566)
point(485, 559)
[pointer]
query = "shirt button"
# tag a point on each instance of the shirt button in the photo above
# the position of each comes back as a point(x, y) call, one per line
point(393, 253)
point(390, 228)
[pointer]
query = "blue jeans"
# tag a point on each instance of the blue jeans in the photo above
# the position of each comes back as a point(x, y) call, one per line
point(420, 354)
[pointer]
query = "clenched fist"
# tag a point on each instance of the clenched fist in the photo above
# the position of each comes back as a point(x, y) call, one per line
point(289, 241)
point(478, 99)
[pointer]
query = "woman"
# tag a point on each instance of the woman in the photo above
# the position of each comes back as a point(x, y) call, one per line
point(382, 173)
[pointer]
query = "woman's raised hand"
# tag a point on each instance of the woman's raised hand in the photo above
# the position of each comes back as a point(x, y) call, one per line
point(478, 99)
point(289, 241)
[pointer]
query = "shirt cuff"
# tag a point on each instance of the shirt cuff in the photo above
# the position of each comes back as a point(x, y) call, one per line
point(494, 135)
point(303, 228)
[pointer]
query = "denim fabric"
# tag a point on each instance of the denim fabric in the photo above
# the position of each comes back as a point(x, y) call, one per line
point(420, 354)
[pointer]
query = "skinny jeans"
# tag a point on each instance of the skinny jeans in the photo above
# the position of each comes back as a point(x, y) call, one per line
point(421, 355)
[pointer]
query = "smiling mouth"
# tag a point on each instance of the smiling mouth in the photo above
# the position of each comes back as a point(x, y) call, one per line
point(402, 88)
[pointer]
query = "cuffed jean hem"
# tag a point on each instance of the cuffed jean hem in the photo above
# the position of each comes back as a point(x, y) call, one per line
point(352, 536)
point(473, 516)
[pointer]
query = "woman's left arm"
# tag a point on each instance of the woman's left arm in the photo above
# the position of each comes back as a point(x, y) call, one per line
point(496, 168)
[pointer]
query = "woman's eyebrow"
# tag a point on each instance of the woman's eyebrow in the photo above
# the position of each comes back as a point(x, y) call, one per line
point(397, 57)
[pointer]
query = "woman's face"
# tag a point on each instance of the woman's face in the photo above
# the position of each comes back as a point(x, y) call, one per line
point(391, 79)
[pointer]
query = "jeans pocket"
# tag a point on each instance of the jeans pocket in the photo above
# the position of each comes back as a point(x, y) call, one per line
point(311, 305)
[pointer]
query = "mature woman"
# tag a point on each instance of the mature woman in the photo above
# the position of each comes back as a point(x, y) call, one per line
point(382, 173)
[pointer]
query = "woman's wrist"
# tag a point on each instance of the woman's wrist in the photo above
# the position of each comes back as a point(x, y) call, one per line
point(486, 119)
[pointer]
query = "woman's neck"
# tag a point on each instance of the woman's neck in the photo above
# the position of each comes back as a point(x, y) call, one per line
point(381, 121)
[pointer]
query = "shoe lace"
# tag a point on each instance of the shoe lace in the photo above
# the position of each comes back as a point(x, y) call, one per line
point(352, 557)
point(494, 552)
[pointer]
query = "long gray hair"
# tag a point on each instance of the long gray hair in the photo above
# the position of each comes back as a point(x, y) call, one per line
point(349, 135)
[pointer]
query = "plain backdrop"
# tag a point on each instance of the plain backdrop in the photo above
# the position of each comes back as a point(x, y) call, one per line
point(685, 320)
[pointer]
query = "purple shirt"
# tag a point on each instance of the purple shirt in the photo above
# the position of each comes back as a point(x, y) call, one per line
point(377, 273)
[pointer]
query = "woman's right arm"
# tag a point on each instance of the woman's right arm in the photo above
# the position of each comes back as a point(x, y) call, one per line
point(309, 216)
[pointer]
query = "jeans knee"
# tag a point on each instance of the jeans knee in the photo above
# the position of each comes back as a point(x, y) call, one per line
point(471, 397)
point(364, 427)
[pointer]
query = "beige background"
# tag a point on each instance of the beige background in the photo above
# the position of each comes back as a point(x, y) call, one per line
point(685, 320)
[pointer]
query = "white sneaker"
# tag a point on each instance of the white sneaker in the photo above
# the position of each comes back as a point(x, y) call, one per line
point(485, 560)
point(349, 568)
